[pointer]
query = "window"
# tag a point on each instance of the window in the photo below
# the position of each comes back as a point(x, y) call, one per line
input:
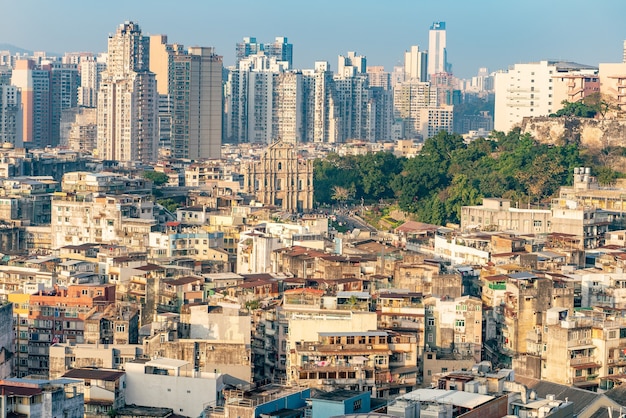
point(537, 224)
point(350, 339)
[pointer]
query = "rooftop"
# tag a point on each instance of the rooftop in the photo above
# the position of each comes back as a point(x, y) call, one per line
point(96, 374)
point(453, 397)
point(337, 395)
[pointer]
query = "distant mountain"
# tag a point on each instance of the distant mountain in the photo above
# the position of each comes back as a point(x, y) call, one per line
point(14, 49)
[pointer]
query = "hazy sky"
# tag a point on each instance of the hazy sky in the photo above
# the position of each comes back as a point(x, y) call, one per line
point(481, 33)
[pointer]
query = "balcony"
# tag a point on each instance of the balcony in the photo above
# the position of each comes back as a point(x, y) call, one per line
point(619, 361)
point(403, 310)
point(332, 367)
point(584, 363)
point(582, 381)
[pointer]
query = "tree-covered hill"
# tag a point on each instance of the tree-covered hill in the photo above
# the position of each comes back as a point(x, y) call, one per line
point(448, 174)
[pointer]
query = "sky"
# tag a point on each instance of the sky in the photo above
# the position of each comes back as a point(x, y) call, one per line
point(480, 33)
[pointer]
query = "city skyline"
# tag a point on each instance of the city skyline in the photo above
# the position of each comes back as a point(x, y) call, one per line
point(479, 34)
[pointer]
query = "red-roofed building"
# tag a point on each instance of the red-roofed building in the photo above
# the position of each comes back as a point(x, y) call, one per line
point(58, 316)
point(309, 263)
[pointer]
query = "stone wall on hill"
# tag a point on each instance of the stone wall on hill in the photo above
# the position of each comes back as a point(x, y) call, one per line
point(594, 134)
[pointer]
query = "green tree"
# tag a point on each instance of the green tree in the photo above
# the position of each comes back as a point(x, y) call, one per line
point(169, 204)
point(577, 109)
point(460, 193)
point(334, 170)
point(376, 172)
point(606, 176)
point(601, 103)
point(156, 177)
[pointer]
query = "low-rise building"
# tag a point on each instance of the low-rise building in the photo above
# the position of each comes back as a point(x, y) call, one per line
point(104, 390)
point(454, 325)
point(41, 398)
point(58, 316)
point(270, 399)
point(498, 215)
point(170, 383)
point(67, 356)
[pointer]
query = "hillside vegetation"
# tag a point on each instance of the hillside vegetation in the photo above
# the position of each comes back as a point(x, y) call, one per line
point(448, 174)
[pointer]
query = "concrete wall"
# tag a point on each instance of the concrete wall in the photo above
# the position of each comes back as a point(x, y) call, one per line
point(185, 395)
point(307, 329)
point(218, 326)
point(215, 356)
point(433, 365)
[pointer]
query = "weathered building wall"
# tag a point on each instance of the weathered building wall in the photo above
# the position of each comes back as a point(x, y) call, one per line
point(6, 340)
point(212, 356)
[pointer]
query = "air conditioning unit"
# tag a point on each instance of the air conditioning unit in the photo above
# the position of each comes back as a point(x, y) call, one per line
point(369, 347)
point(356, 367)
point(395, 324)
point(311, 348)
point(210, 348)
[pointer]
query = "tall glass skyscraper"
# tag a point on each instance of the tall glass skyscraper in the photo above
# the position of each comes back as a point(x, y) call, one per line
point(437, 54)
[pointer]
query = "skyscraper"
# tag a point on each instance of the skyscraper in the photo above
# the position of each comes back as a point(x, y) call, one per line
point(90, 75)
point(248, 47)
point(415, 64)
point(281, 49)
point(127, 99)
point(351, 64)
point(321, 122)
point(196, 93)
point(189, 82)
point(34, 84)
point(64, 82)
point(437, 54)
point(264, 103)
point(410, 97)
point(10, 112)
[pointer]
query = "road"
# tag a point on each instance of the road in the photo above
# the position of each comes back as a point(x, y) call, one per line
point(352, 220)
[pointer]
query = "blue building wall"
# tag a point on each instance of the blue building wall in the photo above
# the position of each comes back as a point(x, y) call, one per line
point(325, 408)
point(292, 401)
